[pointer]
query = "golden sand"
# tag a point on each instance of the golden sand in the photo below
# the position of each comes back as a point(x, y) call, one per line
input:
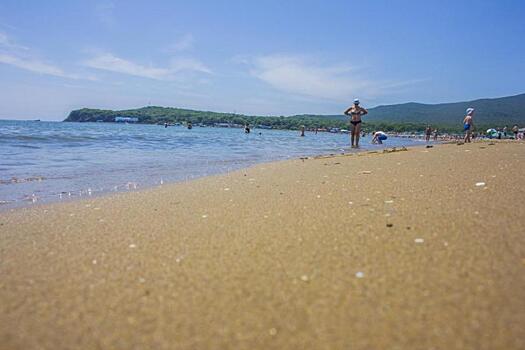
point(423, 249)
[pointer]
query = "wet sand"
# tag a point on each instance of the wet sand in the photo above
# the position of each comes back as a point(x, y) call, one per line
point(402, 250)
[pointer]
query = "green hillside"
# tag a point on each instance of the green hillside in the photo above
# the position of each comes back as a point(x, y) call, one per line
point(496, 111)
point(401, 117)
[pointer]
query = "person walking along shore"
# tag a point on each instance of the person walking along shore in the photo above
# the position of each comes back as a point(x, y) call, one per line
point(468, 124)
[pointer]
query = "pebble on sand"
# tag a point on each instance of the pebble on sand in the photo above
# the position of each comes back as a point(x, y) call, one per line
point(366, 172)
point(419, 240)
point(304, 278)
point(132, 245)
point(272, 331)
point(359, 274)
point(480, 184)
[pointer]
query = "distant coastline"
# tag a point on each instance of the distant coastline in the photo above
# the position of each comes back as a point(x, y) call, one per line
point(497, 112)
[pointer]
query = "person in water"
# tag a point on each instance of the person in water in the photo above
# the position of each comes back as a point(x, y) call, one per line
point(247, 129)
point(355, 112)
point(428, 132)
point(515, 130)
point(302, 130)
point(468, 124)
point(379, 137)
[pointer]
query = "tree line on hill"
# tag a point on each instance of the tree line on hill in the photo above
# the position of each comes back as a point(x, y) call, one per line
point(408, 117)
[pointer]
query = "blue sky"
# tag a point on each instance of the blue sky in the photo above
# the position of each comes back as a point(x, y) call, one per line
point(254, 57)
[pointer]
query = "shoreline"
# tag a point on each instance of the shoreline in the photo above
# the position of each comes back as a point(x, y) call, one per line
point(32, 202)
point(415, 249)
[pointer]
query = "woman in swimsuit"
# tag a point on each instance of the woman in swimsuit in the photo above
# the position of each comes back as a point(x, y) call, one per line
point(355, 112)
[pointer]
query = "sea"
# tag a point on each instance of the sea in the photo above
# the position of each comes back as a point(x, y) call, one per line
point(43, 162)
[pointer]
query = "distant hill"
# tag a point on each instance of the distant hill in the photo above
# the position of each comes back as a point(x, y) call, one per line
point(399, 117)
point(495, 111)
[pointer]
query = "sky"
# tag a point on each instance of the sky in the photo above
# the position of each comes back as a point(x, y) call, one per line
point(262, 57)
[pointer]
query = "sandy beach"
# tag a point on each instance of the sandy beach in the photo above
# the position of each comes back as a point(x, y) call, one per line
point(416, 249)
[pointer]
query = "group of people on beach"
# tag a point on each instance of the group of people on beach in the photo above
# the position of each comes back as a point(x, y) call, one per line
point(355, 112)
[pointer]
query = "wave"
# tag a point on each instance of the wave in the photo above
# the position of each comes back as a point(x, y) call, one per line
point(16, 180)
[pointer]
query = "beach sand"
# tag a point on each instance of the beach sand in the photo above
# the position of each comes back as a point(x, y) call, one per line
point(401, 250)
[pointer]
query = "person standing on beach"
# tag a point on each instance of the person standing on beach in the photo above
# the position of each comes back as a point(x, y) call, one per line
point(515, 130)
point(355, 112)
point(468, 124)
point(436, 133)
point(428, 132)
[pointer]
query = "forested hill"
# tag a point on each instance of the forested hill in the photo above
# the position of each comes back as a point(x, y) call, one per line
point(494, 111)
point(497, 111)
point(399, 117)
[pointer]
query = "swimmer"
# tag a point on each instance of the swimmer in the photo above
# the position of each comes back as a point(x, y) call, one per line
point(247, 128)
point(379, 137)
point(355, 112)
point(302, 130)
point(468, 124)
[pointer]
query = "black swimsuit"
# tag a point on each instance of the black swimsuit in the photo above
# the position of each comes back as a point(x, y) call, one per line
point(355, 122)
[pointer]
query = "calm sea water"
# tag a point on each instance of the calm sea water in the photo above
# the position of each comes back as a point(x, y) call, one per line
point(53, 161)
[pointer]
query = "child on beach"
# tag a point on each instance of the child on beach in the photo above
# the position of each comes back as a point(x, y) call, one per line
point(355, 112)
point(468, 124)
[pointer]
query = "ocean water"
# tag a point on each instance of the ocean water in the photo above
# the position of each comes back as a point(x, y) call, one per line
point(54, 161)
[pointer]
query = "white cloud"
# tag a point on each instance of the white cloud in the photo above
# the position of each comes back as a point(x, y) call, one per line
point(32, 65)
point(7, 42)
point(109, 62)
point(19, 56)
point(183, 43)
point(188, 64)
point(297, 75)
point(4, 40)
point(303, 76)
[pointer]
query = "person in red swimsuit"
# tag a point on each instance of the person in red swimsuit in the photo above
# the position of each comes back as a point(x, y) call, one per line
point(355, 112)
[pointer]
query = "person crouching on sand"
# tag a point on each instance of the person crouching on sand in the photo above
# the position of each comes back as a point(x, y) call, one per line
point(468, 124)
point(379, 137)
point(355, 112)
